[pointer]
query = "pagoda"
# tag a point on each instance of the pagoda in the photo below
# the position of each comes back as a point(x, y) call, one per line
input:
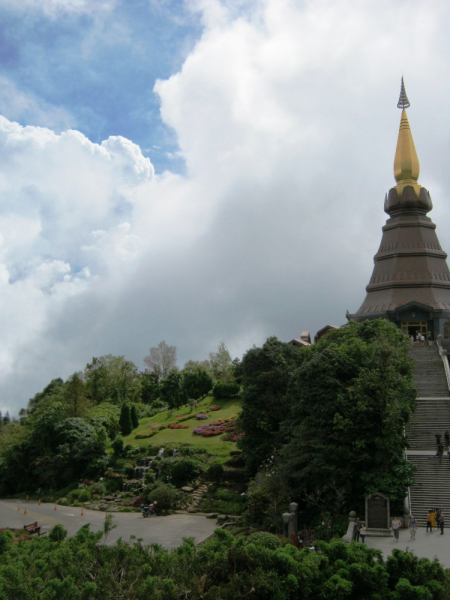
point(410, 283)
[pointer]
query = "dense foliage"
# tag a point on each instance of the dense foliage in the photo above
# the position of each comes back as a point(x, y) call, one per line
point(330, 418)
point(224, 568)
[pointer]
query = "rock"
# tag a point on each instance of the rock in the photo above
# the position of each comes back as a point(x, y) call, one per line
point(211, 516)
point(186, 488)
point(222, 518)
point(192, 509)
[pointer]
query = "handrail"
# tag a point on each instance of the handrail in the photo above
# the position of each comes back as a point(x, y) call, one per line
point(443, 355)
point(409, 488)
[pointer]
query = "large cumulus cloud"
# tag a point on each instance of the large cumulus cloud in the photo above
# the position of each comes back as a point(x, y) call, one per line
point(286, 121)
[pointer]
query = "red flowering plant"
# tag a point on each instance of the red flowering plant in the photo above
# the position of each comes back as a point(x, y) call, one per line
point(178, 426)
point(214, 407)
point(201, 416)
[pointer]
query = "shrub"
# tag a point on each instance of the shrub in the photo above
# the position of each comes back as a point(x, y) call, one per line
point(180, 470)
point(178, 426)
point(215, 472)
point(81, 494)
point(164, 495)
point(149, 477)
point(201, 417)
point(125, 422)
point(99, 488)
point(144, 435)
point(6, 541)
point(117, 445)
point(264, 539)
point(225, 390)
point(57, 533)
point(214, 407)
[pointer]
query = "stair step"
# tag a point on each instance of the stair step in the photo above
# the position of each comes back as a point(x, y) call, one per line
point(432, 479)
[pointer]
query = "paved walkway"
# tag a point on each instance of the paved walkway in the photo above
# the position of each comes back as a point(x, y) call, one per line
point(167, 531)
point(426, 545)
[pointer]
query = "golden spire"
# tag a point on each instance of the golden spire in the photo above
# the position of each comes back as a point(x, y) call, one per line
point(406, 163)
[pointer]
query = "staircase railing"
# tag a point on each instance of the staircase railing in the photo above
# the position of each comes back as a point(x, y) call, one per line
point(443, 355)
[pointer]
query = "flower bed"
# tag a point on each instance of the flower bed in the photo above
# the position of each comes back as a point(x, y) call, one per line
point(152, 425)
point(214, 407)
point(178, 426)
point(215, 428)
point(201, 416)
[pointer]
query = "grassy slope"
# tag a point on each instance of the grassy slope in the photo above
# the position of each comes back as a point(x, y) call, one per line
point(214, 445)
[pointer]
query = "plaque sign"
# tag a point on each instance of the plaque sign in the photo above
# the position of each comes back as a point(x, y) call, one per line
point(377, 511)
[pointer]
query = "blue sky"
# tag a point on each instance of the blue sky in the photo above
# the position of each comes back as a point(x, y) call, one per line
point(201, 171)
point(100, 67)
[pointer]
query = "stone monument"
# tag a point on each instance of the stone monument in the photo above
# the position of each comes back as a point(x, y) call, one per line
point(378, 518)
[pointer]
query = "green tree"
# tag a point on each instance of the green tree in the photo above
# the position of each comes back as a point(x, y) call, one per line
point(351, 400)
point(106, 415)
point(172, 391)
point(221, 364)
point(53, 391)
point(134, 416)
point(196, 381)
point(77, 405)
point(266, 375)
point(149, 387)
point(126, 424)
point(112, 379)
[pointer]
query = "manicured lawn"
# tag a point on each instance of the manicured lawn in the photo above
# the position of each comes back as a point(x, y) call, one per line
point(214, 445)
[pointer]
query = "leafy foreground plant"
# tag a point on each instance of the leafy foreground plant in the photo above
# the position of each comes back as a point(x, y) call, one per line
point(224, 568)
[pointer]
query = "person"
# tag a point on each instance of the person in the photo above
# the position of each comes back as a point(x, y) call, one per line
point(438, 438)
point(430, 520)
point(441, 523)
point(362, 533)
point(433, 518)
point(440, 452)
point(395, 526)
point(447, 439)
point(356, 530)
point(438, 517)
point(412, 524)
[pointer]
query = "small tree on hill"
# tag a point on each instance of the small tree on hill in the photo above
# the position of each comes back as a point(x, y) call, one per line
point(126, 424)
point(134, 416)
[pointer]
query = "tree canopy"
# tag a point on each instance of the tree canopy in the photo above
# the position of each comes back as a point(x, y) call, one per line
point(335, 414)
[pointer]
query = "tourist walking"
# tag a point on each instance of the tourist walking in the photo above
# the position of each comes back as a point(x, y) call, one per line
point(430, 520)
point(441, 523)
point(412, 524)
point(447, 439)
point(362, 533)
point(433, 518)
point(438, 438)
point(395, 526)
point(356, 530)
point(440, 452)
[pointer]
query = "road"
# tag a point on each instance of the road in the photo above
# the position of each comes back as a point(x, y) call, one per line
point(167, 531)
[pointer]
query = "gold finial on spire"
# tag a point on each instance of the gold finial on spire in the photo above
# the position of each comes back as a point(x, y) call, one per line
point(406, 163)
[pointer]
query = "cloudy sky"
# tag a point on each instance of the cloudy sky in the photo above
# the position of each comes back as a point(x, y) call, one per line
point(201, 171)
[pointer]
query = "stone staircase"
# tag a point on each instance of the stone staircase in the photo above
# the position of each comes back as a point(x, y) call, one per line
point(432, 480)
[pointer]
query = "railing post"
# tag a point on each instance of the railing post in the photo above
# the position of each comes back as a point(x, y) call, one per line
point(293, 528)
point(286, 519)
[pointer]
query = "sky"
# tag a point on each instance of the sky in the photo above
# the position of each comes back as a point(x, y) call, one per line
point(201, 171)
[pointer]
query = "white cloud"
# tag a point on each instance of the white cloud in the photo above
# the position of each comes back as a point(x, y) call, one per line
point(19, 105)
point(285, 115)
